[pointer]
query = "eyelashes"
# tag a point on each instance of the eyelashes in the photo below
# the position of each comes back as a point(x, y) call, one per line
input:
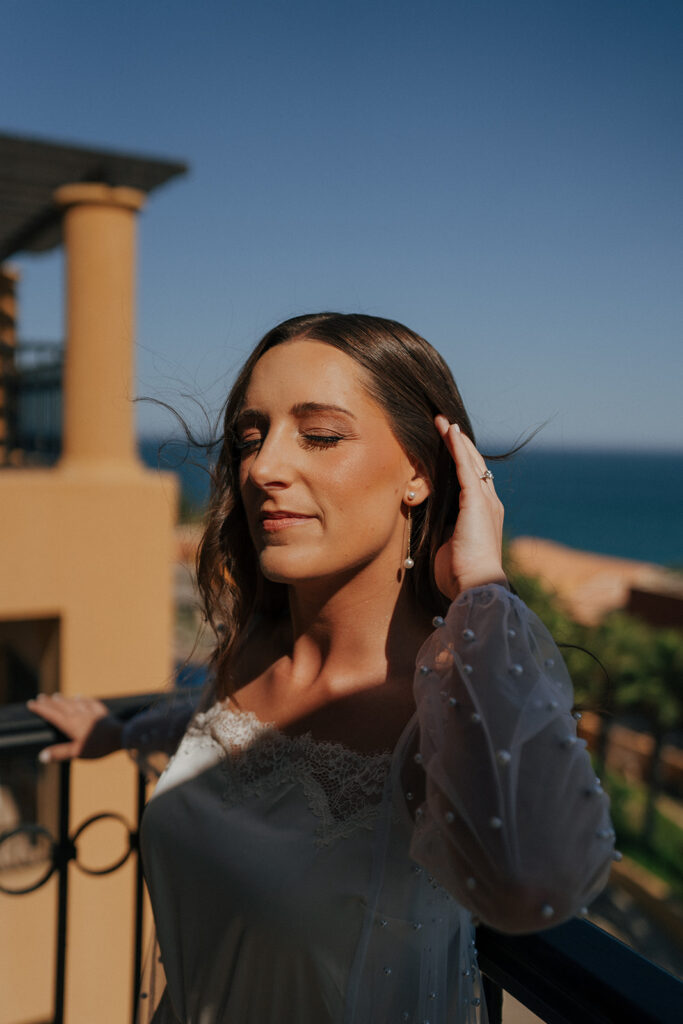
point(320, 441)
point(309, 442)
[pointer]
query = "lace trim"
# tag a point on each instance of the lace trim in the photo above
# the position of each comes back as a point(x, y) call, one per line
point(343, 788)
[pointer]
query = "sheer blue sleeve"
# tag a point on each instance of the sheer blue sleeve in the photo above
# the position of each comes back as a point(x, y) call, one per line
point(158, 730)
point(515, 823)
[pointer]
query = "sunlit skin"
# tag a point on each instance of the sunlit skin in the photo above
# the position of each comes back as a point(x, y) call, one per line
point(353, 627)
point(313, 442)
point(326, 488)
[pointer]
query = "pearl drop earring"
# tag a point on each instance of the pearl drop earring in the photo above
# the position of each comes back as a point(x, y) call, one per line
point(408, 562)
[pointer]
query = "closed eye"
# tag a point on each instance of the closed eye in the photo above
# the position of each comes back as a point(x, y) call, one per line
point(246, 445)
point(248, 438)
point(320, 441)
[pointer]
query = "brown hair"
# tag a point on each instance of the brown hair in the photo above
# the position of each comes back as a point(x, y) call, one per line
point(411, 382)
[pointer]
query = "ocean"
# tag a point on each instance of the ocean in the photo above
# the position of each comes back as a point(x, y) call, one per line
point(628, 504)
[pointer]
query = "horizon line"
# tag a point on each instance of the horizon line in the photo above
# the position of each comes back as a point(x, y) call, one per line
point(534, 445)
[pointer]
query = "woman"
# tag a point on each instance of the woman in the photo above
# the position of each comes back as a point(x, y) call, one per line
point(388, 748)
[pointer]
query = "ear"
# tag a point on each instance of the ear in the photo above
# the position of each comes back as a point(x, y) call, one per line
point(419, 486)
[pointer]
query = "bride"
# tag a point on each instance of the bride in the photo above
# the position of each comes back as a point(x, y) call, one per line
point(387, 753)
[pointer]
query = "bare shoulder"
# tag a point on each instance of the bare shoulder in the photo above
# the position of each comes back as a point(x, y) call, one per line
point(268, 641)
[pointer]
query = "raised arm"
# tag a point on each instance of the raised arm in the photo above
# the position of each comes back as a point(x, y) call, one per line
point(514, 823)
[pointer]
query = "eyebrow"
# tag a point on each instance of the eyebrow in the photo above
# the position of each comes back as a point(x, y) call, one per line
point(300, 409)
point(303, 408)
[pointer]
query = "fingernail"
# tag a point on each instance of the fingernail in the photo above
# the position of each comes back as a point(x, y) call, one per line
point(44, 757)
point(456, 427)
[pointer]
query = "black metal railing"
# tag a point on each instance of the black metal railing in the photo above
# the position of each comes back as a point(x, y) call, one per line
point(31, 385)
point(569, 974)
point(22, 732)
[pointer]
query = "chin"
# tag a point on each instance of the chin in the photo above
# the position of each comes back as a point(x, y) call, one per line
point(281, 566)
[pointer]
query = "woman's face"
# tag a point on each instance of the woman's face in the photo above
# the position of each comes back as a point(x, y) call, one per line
point(322, 476)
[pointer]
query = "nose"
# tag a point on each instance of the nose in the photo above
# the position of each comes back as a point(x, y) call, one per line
point(272, 466)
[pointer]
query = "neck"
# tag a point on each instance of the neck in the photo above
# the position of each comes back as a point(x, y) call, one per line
point(364, 629)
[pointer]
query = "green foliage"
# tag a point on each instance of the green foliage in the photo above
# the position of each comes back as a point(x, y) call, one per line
point(573, 638)
point(668, 841)
point(634, 668)
point(646, 664)
point(625, 807)
point(643, 665)
point(662, 852)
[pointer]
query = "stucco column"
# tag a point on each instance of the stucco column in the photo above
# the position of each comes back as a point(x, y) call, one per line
point(99, 239)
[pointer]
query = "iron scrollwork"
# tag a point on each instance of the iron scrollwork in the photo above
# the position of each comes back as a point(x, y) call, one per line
point(60, 852)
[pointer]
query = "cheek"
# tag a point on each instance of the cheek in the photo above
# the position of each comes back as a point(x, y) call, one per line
point(379, 464)
point(364, 498)
point(360, 480)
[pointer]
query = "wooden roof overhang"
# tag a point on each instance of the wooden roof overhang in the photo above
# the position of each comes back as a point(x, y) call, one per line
point(31, 170)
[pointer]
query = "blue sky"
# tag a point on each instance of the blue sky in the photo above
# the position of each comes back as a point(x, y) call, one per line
point(504, 177)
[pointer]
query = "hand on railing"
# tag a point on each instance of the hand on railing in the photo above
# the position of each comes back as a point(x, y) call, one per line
point(91, 730)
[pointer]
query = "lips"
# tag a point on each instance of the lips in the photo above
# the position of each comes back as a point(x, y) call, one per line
point(281, 519)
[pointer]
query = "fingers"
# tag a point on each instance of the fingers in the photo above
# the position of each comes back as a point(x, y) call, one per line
point(59, 710)
point(55, 709)
point(52, 708)
point(76, 717)
point(58, 752)
point(471, 555)
point(452, 437)
point(86, 722)
point(469, 462)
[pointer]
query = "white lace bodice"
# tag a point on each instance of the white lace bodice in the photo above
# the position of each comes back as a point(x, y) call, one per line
point(343, 788)
point(290, 882)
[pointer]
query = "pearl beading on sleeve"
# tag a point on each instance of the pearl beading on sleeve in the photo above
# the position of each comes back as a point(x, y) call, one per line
point(515, 823)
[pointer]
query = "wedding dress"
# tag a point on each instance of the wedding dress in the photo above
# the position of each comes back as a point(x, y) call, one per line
point(294, 880)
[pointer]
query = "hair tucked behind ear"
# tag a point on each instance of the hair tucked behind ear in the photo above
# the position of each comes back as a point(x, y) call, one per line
point(412, 383)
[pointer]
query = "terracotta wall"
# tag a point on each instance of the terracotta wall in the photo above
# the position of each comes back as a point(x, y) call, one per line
point(88, 546)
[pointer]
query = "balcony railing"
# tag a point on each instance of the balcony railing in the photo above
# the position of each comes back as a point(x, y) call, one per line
point(31, 387)
point(573, 973)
